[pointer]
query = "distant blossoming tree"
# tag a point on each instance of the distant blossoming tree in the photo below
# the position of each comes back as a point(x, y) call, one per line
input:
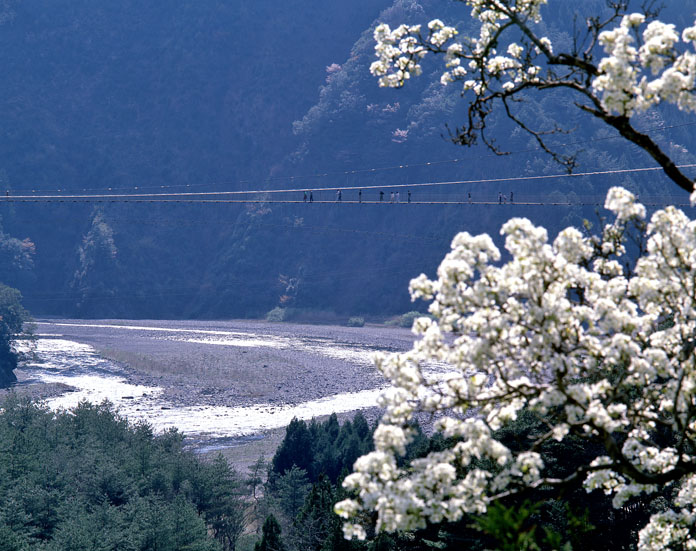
point(598, 343)
point(625, 64)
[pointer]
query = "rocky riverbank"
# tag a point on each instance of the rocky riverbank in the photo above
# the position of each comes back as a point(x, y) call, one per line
point(238, 363)
point(220, 373)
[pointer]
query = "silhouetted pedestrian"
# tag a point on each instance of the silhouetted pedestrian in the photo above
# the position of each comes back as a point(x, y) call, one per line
point(500, 198)
point(381, 196)
point(512, 197)
point(469, 196)
point(360, 196)
point(391, 197)
point(304, 198)
point(339, 195)
point(311, 197)
point(409, 195)
point(397, 197)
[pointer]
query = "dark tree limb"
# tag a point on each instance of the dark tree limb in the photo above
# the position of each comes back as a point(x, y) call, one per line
point(623, 125)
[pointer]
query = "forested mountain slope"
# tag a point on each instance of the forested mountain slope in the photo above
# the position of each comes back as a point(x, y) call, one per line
point(186, 96)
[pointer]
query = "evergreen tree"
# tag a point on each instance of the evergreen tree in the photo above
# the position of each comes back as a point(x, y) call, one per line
point(87, 480)
point(270, 539)
point(226, 509)
point(291, 490)
point(314, 522)
point(296, 449)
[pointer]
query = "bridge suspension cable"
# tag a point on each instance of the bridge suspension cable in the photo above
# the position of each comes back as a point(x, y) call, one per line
point(199, 196)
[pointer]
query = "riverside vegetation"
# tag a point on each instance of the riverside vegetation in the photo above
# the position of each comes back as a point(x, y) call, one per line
point(88, 480)
point(12, 321)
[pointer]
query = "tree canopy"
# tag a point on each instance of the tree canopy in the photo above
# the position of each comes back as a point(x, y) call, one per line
point(591, 336)
point(593, 333)
point(88, 479)
point(12, 319)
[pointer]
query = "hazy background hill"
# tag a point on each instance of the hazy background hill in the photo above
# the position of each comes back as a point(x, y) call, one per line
point(192, 95)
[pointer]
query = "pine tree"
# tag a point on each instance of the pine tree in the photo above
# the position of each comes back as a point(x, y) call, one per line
point(270, 539)
point(296, 449)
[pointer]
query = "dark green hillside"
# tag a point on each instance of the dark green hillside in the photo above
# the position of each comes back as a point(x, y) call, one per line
point(260, 95)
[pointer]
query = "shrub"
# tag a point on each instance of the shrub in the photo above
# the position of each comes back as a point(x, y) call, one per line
point(356, 321)
point(277, 314)
point(406, 320)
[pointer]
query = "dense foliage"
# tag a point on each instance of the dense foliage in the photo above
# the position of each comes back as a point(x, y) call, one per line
point(87, 480)
point(322, 449)
point(297, 509)
point(13, 316)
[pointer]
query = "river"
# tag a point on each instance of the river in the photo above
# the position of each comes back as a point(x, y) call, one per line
point(211, 380)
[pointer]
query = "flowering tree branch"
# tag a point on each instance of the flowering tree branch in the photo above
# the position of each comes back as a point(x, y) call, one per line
point(597, 343)
point(637, 70)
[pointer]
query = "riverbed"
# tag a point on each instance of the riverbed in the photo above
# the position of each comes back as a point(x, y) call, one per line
point(211, 380)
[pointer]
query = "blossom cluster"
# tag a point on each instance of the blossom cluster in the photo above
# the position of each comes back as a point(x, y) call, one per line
point(398, 51)
point(636, 78)
point(633, 75)
point(473, 60)
point(561, 329)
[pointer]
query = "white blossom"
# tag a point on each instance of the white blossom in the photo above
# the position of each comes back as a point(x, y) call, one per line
point(514, 50)
point(626, 82)
point(629, 79)
point(516, 335)
point(560, 327)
